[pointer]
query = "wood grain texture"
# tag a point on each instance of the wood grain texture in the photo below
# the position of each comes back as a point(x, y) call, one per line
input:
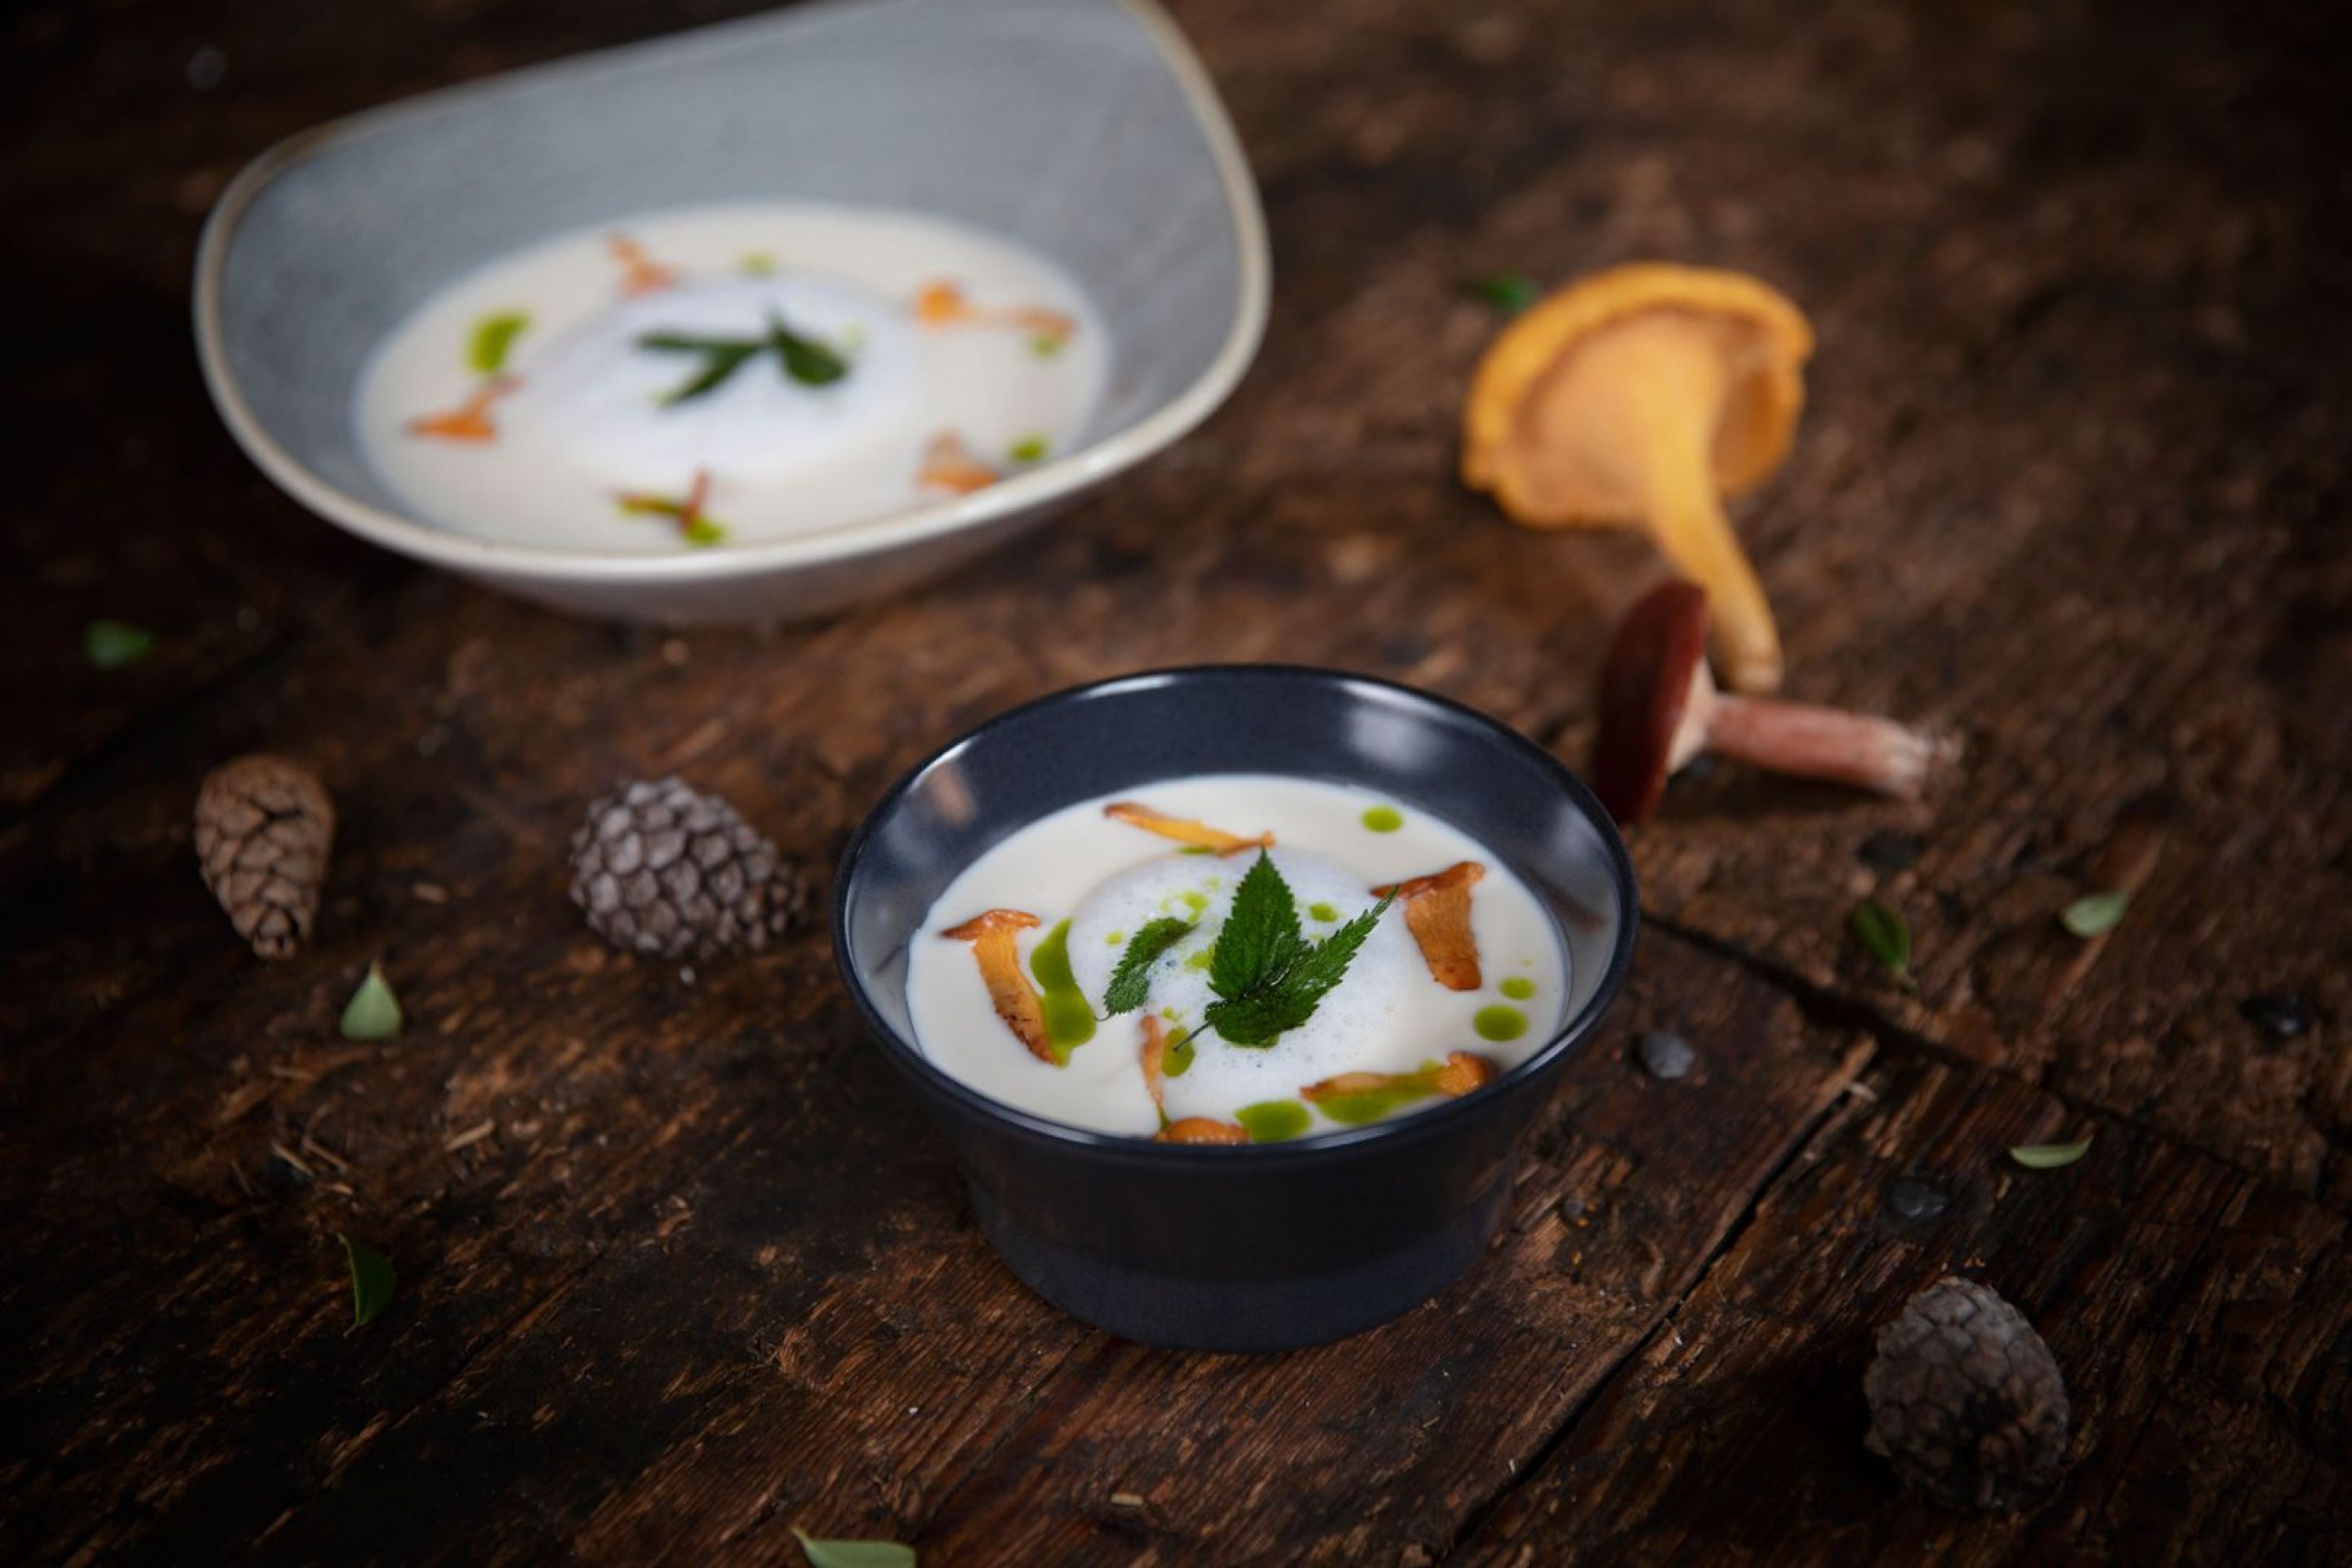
point(2200, 1318)
point(680, 1265)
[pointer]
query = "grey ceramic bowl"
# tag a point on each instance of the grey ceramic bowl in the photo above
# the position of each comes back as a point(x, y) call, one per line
point(1085, 129)
point(1265, 1246)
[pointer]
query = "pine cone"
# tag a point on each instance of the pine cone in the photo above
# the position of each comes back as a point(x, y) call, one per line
point(663, 869)
point(263, 825)
point(1966, 1401)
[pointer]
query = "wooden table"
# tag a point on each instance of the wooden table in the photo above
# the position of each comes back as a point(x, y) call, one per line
point(682, 1268)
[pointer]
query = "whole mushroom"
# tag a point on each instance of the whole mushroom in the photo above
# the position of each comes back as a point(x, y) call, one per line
point(1643, 396)
point(1659, 708)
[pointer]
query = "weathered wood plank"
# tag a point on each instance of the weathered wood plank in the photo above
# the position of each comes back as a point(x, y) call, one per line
point(2202, 1320)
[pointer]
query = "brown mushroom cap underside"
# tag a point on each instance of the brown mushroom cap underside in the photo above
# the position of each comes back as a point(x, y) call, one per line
point(1647, 710)
point(1756, 344)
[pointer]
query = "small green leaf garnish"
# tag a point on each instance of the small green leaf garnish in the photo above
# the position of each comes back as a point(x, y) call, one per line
point(373, 1011)
point(372, 1280)
point(720, 361)
point(113, 645)
point(1028, 449)
point(1267, 977)
point(2048, 1156)
point(1274, 1120)
point(854, 1553)
point(1132, 981)
point(805, 360)
point(2094, 914)
point(493, 340)
point(1507, 291)
point(1886, 936)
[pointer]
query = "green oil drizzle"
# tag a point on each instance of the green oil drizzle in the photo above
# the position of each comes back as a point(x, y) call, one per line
point(1196, 902)
point(1112, 939)
point(1272, 1120)
point(1323, 911)
point(1383, 819)
point(1496, 1023)
point(1518, 987)
point(1177, 1059)
point(1355, 1109)
point(1069, 1019)
point(1203, 959)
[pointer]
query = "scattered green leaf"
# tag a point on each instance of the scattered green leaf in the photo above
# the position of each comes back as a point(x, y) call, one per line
point(372, 1280)
point(1274, 1120)
point(1507, 291)
point(113, 644)
point(1886, 936)
point(1267, 977)
point(1132, 981)
point(854, 1553)
point(2094, 914)
point(2048, 1156)
point(373, 1011)
point(493, 340)
point(1028, 449)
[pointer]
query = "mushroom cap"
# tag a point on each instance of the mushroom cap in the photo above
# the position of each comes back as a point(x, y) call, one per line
point(1646, 710)
point(1762, 339)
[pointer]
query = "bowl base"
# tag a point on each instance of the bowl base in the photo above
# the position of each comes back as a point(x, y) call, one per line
point(1243, 1314)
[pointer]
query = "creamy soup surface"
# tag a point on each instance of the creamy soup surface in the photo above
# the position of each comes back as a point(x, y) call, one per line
point(1091, 879)
point(692, 379)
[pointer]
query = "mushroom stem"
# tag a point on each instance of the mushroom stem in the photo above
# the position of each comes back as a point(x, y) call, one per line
point(1687, 516)
point(1858, 748)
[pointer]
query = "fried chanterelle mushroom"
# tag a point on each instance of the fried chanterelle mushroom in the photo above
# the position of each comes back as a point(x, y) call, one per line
point(1643, 396)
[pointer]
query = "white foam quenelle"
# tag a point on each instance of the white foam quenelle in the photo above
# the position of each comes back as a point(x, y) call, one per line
point(718, 375)
point(1097, 876)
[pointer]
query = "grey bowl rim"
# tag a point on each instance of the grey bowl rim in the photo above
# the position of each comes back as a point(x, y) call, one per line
point(1065, 475)
point(1433, 1122)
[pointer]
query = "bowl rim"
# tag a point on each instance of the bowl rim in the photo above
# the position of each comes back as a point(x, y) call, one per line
point(1022, 492)
point(1418, 1126)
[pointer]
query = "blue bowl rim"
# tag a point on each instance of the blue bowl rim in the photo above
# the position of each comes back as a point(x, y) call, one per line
point(1418, 1126)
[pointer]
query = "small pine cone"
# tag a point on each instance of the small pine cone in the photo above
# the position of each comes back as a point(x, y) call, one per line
point(263, 825)
point(1966, 1400)
point(663, 869)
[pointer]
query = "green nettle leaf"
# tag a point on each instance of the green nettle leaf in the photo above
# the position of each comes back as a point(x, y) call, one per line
point(2048, 1156)
point(493, 340)
point(1886, 936)
point(373, 1011)
point(719, 362)
point(854, 1553)
point(112, 645)
point(2094, 914)
point(372, 1280)
point(1132, 981)
point(805, 360)
point(1267, 977)
point(1509, 292)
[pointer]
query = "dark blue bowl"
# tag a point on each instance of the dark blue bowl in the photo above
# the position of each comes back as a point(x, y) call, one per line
point(1267, 1246)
